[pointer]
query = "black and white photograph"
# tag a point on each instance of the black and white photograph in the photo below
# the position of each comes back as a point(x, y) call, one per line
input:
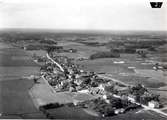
point(83, 59)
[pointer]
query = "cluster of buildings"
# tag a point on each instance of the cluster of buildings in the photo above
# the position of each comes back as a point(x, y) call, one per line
point(74, 79)
point(141, 95)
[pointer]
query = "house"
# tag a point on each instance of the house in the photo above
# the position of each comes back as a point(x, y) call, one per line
point(119, 62)
point(70, 70)
point(96, 91)
point(76, 102)
point(84, 91)
point(141, 50)
point(124, 97)
point(153, 104)
point(119, 111)
point(78, 81)
point(55, 70)
point(101, 87)
point(116, 96)
point(72, 89)
point(82, 71)
point(132, 98)
point(107, 101)
point(72, 50)
point(105, 97)
point(77, 76)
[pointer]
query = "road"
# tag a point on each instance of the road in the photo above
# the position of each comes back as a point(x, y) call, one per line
point(61, 68)
point(105, 76)
point(51, 88)
point(115, 80)
point(144, 106)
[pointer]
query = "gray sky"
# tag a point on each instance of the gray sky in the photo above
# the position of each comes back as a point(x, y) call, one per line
point(83, 14)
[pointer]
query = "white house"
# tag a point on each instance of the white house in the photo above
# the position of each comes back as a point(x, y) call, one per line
point(105, 97)
point(84, 91)
point(101, 87)
point(131, 98)
point(119, 111)
point(153, 104)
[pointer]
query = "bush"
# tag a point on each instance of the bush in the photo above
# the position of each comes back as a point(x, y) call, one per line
point(110, 89)
point(48, 42)
point(50, 106)
point(108, 111)
point(132, 107)
point(129, 50)
point(107, 54)
point(94, 84)
point(41, 108)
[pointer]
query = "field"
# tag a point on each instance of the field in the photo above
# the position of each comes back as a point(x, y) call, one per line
point(133, 70)
point(77, 113)
point(104, 65)
point(37, 52)
point(134, 79)
point(136, 115)
point(15, 57)
point(130, 68)
point(15, 101)
point(83, 50)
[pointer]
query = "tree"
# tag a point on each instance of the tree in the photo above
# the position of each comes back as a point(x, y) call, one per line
point(111, 89)
point(142, 53)
point(108, 111)
point(49, 49)
point(34, 55)
point(94, 84)
point(115, 102)
point(137, 90)
point(106, 54)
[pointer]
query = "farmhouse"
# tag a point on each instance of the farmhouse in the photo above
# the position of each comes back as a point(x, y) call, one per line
point(153, 104)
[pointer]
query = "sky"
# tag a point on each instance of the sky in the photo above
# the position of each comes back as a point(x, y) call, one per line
point(83, 14)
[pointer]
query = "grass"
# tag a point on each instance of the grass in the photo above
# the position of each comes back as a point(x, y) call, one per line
point(133, 79)
point(15, 57)
point(11, 71)
point(15, 98)
point(37, 52)
point(70, 113)
point(15, 101)
point(104, 65)
point(132, 115)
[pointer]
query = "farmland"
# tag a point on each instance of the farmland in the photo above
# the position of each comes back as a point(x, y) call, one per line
point(130, 68)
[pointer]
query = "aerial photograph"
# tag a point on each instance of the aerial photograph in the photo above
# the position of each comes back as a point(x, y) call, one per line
point(83, 59)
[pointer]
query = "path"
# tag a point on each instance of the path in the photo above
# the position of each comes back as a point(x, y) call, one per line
point(61, 68)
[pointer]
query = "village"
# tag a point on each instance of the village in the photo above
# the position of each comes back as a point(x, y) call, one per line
point(83, 59)
point(83, 77)
point(111, 97)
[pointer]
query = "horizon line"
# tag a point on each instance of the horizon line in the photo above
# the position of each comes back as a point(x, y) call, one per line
point(90, 30)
